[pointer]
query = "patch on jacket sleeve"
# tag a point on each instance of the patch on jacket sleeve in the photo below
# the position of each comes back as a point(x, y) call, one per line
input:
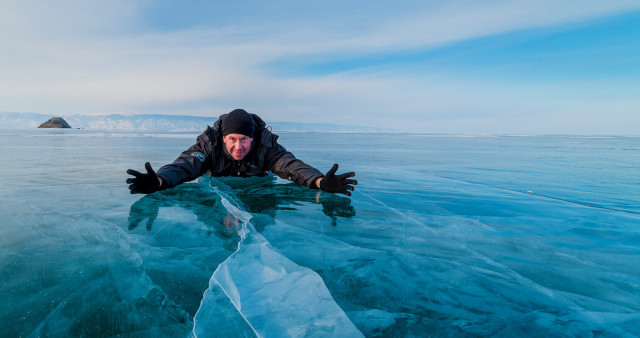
point(200, 156)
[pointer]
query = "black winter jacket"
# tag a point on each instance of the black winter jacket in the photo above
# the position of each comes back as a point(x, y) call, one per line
point(209, 155)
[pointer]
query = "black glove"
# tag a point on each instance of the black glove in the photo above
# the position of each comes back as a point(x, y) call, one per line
point(143, 183)
point(338, 184)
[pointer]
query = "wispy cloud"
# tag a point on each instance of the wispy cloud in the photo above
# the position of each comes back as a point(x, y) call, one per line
point(109, 57)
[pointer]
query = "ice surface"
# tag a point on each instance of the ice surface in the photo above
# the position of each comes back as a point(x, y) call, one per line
point(277, 297)
point(444, 236)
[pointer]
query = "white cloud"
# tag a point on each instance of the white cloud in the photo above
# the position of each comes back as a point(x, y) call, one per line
point(430, 26)
point(97, 57)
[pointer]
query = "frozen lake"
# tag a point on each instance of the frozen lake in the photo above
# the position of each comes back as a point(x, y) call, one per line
point(443, 236)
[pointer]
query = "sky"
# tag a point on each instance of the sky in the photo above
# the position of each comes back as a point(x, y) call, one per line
point(494, 66)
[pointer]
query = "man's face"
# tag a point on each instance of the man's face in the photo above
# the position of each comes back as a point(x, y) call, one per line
point(238, 145)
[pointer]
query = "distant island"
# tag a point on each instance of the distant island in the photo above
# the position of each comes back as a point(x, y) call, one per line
point(55, 122)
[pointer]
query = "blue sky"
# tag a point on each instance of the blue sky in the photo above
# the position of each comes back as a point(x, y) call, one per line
point(497, 66)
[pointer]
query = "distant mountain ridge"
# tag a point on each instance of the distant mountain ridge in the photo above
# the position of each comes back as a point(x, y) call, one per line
point(150, 122)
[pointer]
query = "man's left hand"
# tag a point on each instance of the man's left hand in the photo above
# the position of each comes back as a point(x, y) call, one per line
point(338, 183)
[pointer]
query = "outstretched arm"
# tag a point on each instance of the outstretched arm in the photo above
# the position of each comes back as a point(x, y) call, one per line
point(192, 163)
point(287, 166)
point(189, 165)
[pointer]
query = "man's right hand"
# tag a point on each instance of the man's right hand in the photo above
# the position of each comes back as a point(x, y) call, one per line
point(143, 183)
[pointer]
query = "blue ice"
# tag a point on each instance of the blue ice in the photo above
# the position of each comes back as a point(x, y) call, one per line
point(275, 296)
point(444, 236)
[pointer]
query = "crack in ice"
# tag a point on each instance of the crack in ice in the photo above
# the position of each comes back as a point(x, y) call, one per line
point(274, 296)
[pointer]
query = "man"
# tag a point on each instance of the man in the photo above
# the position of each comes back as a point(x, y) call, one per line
point(238, 145)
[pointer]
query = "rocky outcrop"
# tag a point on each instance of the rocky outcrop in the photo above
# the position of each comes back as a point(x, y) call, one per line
point(55, 122)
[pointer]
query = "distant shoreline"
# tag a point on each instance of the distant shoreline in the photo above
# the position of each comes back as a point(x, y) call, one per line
point(197, 124)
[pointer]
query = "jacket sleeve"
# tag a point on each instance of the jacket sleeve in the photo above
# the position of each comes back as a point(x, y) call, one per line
point(191, 164)
point(288, 167)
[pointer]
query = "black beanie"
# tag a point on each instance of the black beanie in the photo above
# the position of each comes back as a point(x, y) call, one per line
point(238, 122)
